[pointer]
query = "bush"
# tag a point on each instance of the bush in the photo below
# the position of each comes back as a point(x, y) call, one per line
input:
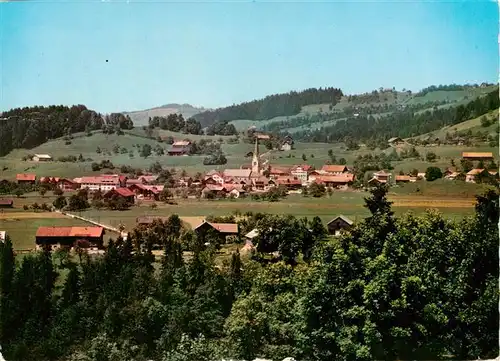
point(433, 173)
point(215, 159)
point(431, 157)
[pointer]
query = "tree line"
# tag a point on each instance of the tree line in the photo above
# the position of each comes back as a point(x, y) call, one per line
point(271, 106)
point(31, 126)
point(176, 123)
point(450, 87)
point(402, 124)
point(410, 287)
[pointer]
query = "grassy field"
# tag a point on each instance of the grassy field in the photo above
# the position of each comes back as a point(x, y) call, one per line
point(473, 125)
point(316, 154)
point(453, 199)
point(87, 146)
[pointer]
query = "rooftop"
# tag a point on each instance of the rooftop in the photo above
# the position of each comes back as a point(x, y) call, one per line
point(477, 155)
point(344, 218)
point(181, 143)
point(69, 232)
point(238, 173)
point(221, 227)
point(26, 177)
point(334, 168)
point(43, 156)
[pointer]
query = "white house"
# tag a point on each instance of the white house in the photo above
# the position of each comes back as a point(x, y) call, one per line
point(301, 172)
point(103, 182)
point(42, 158)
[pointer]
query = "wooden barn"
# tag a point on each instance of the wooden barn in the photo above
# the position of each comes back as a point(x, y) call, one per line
point(68, 236)
point(338, 225)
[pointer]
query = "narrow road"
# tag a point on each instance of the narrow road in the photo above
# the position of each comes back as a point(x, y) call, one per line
point(105, 226)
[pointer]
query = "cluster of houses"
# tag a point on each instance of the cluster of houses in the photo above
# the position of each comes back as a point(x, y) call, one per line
point(92, 238)
point(254, 178)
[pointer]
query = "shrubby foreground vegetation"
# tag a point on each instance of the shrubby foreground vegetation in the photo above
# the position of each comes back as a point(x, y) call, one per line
point(416, 287)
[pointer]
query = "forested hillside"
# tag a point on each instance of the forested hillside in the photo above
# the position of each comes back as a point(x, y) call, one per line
point(409, 288)
point(31, 126)
point(401, 123)
point(271, 106)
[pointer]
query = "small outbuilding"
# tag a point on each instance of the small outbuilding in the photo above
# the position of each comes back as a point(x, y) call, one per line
point(338, 225)
point(6, 203)
point(42, 158)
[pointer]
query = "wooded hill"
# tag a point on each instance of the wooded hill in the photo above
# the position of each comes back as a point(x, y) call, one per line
point(271, 106)
point(401, 123)
point(31, 126)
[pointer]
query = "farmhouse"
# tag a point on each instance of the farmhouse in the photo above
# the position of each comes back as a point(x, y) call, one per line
point(290, 183)
point(222, 230)
point(260, 183)
point(67, 184)
point(143, 191)
point(213, 190)
point(67, 236)
point(395, 141)
point(215, 176)
point(104, 182)
point(477, 155)
point(336, 181)
point(338, 225)
point(470, 177)
point(124, 193)
point(26, 178)
point(42, 158)
point(404, 179)
point(6, 203)
point(275, 172)
point(334, 169)
point(182, 147)
point(380, 177)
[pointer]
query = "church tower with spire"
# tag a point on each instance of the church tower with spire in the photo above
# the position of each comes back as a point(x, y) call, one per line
point(256, 159)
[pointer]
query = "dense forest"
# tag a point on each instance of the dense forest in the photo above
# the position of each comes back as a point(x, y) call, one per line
point(31, 126)
point(410, 287)
point(271, 106)
point(376, 110)
point(405, 123)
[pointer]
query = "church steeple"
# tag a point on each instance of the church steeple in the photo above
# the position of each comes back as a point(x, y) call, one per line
point(256, 158)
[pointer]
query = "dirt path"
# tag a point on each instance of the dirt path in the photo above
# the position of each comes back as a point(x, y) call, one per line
point(27, 215)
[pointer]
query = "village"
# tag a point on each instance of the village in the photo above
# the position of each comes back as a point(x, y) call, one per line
point(256, 180)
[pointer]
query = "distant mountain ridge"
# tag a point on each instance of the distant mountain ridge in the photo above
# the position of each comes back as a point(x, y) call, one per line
point(141, 117)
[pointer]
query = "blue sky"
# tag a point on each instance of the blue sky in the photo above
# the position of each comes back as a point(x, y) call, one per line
point(220, 53)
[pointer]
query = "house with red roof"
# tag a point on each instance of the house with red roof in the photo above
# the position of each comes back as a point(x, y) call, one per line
point(67, 184)
point(291, 183)
point(25, 178)
point(334, 169)
point(68, 236)
point(6, 203)
point(124, 193)
point(341, 181)
point(146, 191)
point(105, 182)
